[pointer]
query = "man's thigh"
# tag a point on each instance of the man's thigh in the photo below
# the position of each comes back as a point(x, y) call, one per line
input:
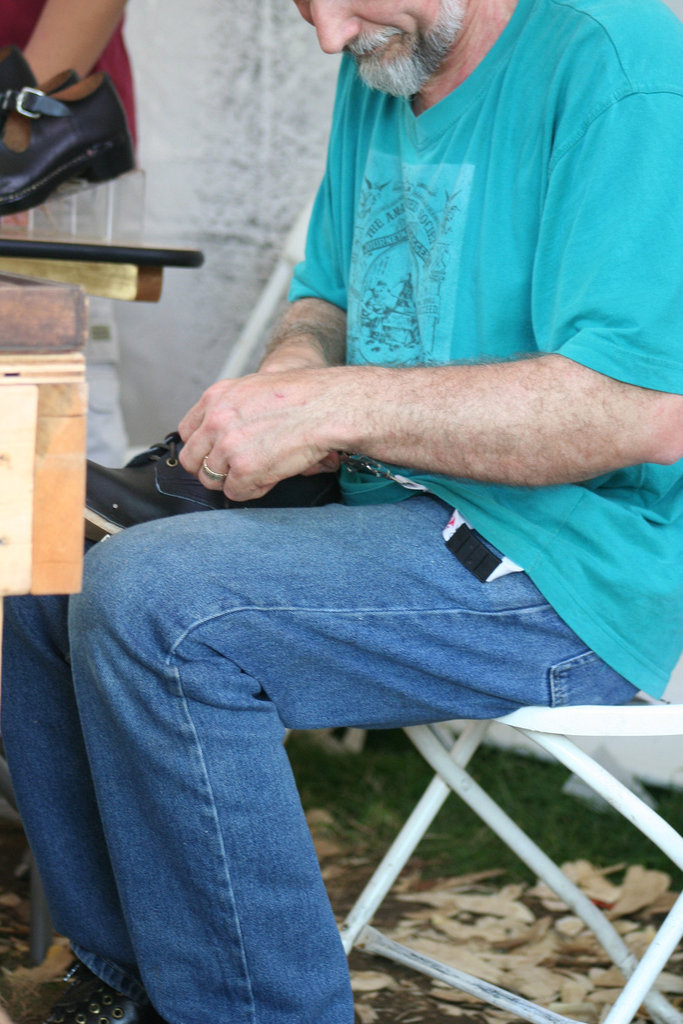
point(343, 616)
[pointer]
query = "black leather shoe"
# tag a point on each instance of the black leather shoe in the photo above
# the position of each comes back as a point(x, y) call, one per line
point(14, 69)
point(15, 73)
point(78, 131)
point(154, 485)
point(16, 78)
point(88, 1000)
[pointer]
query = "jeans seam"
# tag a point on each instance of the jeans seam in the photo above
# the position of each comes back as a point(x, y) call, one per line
point(228, 892)
point(351, 612)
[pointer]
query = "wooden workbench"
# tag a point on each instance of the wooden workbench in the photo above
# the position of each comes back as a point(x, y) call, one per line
point(43, 330)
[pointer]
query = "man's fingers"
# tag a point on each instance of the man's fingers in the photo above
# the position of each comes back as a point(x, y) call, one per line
point(191, 421)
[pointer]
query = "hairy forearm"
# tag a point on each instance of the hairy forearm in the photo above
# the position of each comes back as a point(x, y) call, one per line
point(311, 333)
point(530, 422)
point(71, 34)
point(534, 422)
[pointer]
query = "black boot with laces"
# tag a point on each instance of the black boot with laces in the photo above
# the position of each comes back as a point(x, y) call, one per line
point(150, 486)
point(154, 484)
point(88, 1000)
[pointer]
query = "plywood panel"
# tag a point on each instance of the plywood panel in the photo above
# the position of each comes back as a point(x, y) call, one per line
point(18, 428)
point(59, 489)
point(52, 444)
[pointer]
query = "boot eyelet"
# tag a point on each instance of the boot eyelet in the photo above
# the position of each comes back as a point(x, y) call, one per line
point(94, 1008)
point(117, 1013)
point(172, 463)
point(81, 1018)
point(107, 999)
point(103, 1020)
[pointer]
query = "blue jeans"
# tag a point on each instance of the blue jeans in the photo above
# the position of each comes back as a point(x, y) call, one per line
point(149, 762)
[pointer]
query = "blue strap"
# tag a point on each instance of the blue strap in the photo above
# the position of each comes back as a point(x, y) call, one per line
point(33, 103)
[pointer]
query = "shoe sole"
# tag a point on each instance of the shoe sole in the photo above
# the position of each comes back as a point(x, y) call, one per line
point(103, 162)
point(97, 527)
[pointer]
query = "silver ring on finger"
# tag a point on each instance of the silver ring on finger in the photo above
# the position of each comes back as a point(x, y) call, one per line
point(212, 474)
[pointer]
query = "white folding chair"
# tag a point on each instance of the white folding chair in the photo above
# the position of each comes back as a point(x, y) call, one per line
point(551, 729)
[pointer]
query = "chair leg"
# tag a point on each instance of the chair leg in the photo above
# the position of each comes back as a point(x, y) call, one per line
point(407, 839)
point(482, 804)
point(653, 960)
point(372, 941)
point(643, 974)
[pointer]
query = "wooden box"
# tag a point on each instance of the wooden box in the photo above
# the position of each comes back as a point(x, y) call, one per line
point(42, 438)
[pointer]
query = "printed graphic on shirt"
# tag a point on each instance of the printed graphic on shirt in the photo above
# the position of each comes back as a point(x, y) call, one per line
point(406, 262)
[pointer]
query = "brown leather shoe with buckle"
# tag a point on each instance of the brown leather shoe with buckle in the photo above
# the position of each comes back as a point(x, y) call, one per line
point(88, 1000)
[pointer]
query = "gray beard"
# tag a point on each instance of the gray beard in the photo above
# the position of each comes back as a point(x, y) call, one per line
point(405, 73)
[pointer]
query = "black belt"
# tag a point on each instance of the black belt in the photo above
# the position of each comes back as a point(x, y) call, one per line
point(473, 553)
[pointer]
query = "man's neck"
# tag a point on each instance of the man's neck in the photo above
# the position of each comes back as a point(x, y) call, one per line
point(483, 24)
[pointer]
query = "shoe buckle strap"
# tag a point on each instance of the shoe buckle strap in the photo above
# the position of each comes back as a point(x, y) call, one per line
point(33, 103)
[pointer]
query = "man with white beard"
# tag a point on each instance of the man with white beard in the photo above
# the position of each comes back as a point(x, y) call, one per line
point(484, 343)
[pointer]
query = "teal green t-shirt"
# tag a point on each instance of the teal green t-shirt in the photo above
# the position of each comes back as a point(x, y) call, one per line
point(538, 208)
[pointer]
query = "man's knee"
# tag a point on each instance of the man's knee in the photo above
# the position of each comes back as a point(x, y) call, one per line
point(119, 576)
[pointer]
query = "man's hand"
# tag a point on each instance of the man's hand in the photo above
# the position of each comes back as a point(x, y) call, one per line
point(263, 428)
point(282, 421)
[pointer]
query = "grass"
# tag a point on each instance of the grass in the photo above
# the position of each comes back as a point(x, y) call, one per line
point(370, 795)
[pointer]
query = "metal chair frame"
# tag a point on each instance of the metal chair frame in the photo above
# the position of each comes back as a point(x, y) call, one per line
point(552, 729)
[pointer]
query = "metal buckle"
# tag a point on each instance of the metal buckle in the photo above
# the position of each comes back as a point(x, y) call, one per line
point(27, 90)
point(362, 462)
point(353, 461)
